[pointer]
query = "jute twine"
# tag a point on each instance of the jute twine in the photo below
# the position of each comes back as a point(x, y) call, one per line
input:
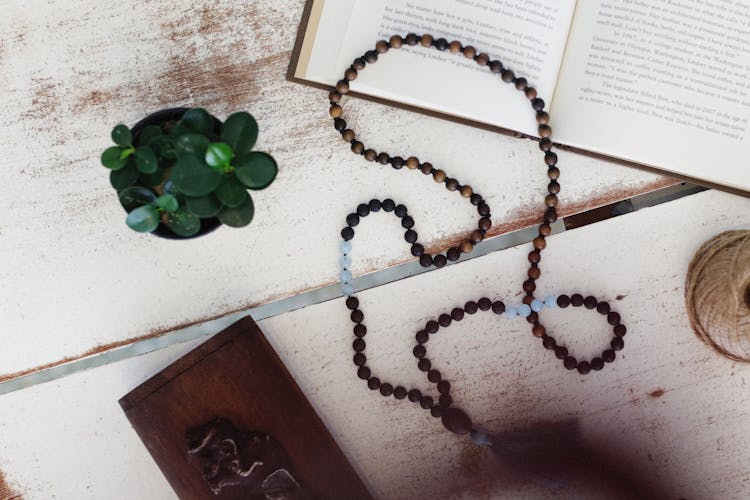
point(717, 294)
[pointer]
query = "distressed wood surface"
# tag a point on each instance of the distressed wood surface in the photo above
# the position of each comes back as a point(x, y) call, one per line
point(671, 413)
point(77, 281)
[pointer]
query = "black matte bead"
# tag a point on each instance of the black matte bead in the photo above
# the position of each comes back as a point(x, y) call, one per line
point(397, 162)
point(386, 389)
point(422, 336)
point(419, 351)
point(608, 355)
point(617, 344)
point(426, 402)
point(415, 395)
point(584, 367)
point(471, 307)
point(561, 352)
point(444, 387)
point(374, 205)
point(357, 316)
point(498, 307)
point(597, 364)
point(400, 210)
point(373, 383)
point(433, 376)
point(439, 260)
point(536, 103)
point(417, 249)
point(410, 236)
point(399, 392)
point(425, 260)
point(363, 210)
point(363, 372)
point(453, 253)
point(388, 205)
point(407, 222)
point(358, 345)
point(424, 364)
point(432, 326)
point(352, 220)
point(441, 44)
point(484, 304)
point(347, 233)
point(563, 301)
point(570, 363)
point(352, 303)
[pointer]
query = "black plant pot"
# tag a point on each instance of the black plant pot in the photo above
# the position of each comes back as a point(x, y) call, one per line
point(165, 115)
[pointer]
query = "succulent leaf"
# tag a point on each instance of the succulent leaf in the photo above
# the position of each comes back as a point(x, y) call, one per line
point(122, 136)
point(238, 216)
point(256, 170)
point(145, 160)
point(111, 158)
point(183, 222)
point(203, 206)
point(193, 177)
point(198, 120)
point(143, 219)
point(240, 131)
point(219, 155)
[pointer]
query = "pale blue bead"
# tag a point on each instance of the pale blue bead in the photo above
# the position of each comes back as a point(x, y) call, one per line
point(345, 276)
point(524, 310)
point(550, 301)
point(345, 247)
point(537, 305)
point(511, 312)
point(347, 289)
point(345, 261)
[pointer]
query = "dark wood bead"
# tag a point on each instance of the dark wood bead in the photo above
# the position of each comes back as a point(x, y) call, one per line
point(570, 363)
point(426, 168)
point(444, 320)
point(563, 301)
point(454, 46)
point(342, 86)
point(483, 59)
point(359, 359)
point(410, 236)
point(335, 111)
point(439, 176)
point(528, 299)
point(363, 209)
point(453, 253)
point(545, 131)
point(426, 40)
point(419, 351)
point(386, 389)
point(374, 205)
point(496, 66)
point(540, 243)
point(534, 272)
point(545, 230)
point(466, 191)
point(397, 162)
point(553, 173)
point(348, 135)
point(373, 383)
point(476, 236)
point(444, 387)
point(426, 402)
point(597, 364)
point(498, 307)
point(470, 52)
point(347, 233)
point(400, 210)
point(484, 304)
point(530, 92)
point(399, 392)
point(352, 220)
point(508, 76)
point(414, 395)
point(445, 400)
point(425, 260)
point(396, 42)
point(483, 209)
point(484, 223)
point(550, 158)
point(352, 302)
point(381, 46)
point(363, 372)
point(589, 302)
point(617, 344)
point(359, 64)
point(457, 314)
point(407, 222)
point(439, 260)
point(334, 96)
point(412, 39)
point(451, 184)
point(441, 44)
point(542, 117)
point(576, 300)
point(466, 246)
point(537, 104)
point(433, 376)
point(350, 74)
point(383, 158)
point(550, 215)
point(436, 411)
point(456, 421)
point(613, 318)
point(561, 352)
point(358, 345)
point(371, 57)
point(538, 330)
point(602, 307)
point(357, 316)
point(550, 200)
point(608, 356)
point(470, 307)
point(545, 144)
point(360, 330)
point(475, 199)
point(432, 326)
point(370, 155)
point(553, 187)
point(388, 205)
point(620, 330)
point(521, 83)
point(417, 249)
point(533, 317)
point(412, 162)
point(535, 256)
point(549, 342)
point(422, 336)
point(339, 124)
point(583, 367)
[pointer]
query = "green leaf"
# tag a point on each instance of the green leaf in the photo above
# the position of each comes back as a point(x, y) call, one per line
point(256, 170)
point(183, 222)
point(178, 130)
point(143, 219)
point(219, 155)
point(120, 179)
point(121, 136)
point(127, 152)
point(145, 160)
point(230, 192)
point(198, 120)
point(192, 143)
point(164, 147)
point(134, 196)
point(148, 134)
point(203, 206)
point(111, 158)
point(167, 202)
point(193, 177)
point(154, 179)
point(238, 216)
point(240, 131)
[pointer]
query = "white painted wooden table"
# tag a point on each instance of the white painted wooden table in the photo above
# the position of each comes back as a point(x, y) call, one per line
point(77, 282)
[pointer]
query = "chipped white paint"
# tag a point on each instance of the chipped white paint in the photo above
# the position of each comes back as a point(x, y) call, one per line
point(670, 411)
point(75, 279)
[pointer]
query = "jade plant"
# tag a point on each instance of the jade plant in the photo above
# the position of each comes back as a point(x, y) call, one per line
point(181, 171)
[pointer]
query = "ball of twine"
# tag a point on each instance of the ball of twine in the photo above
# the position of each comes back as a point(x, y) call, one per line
point(717, 294)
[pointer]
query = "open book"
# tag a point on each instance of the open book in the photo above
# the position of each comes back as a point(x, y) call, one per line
point(663, 83)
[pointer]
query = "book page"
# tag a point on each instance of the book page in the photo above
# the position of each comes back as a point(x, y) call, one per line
point(527, 36)
point(663, 82)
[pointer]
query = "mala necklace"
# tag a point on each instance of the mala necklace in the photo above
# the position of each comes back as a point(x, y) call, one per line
point(454, 419)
